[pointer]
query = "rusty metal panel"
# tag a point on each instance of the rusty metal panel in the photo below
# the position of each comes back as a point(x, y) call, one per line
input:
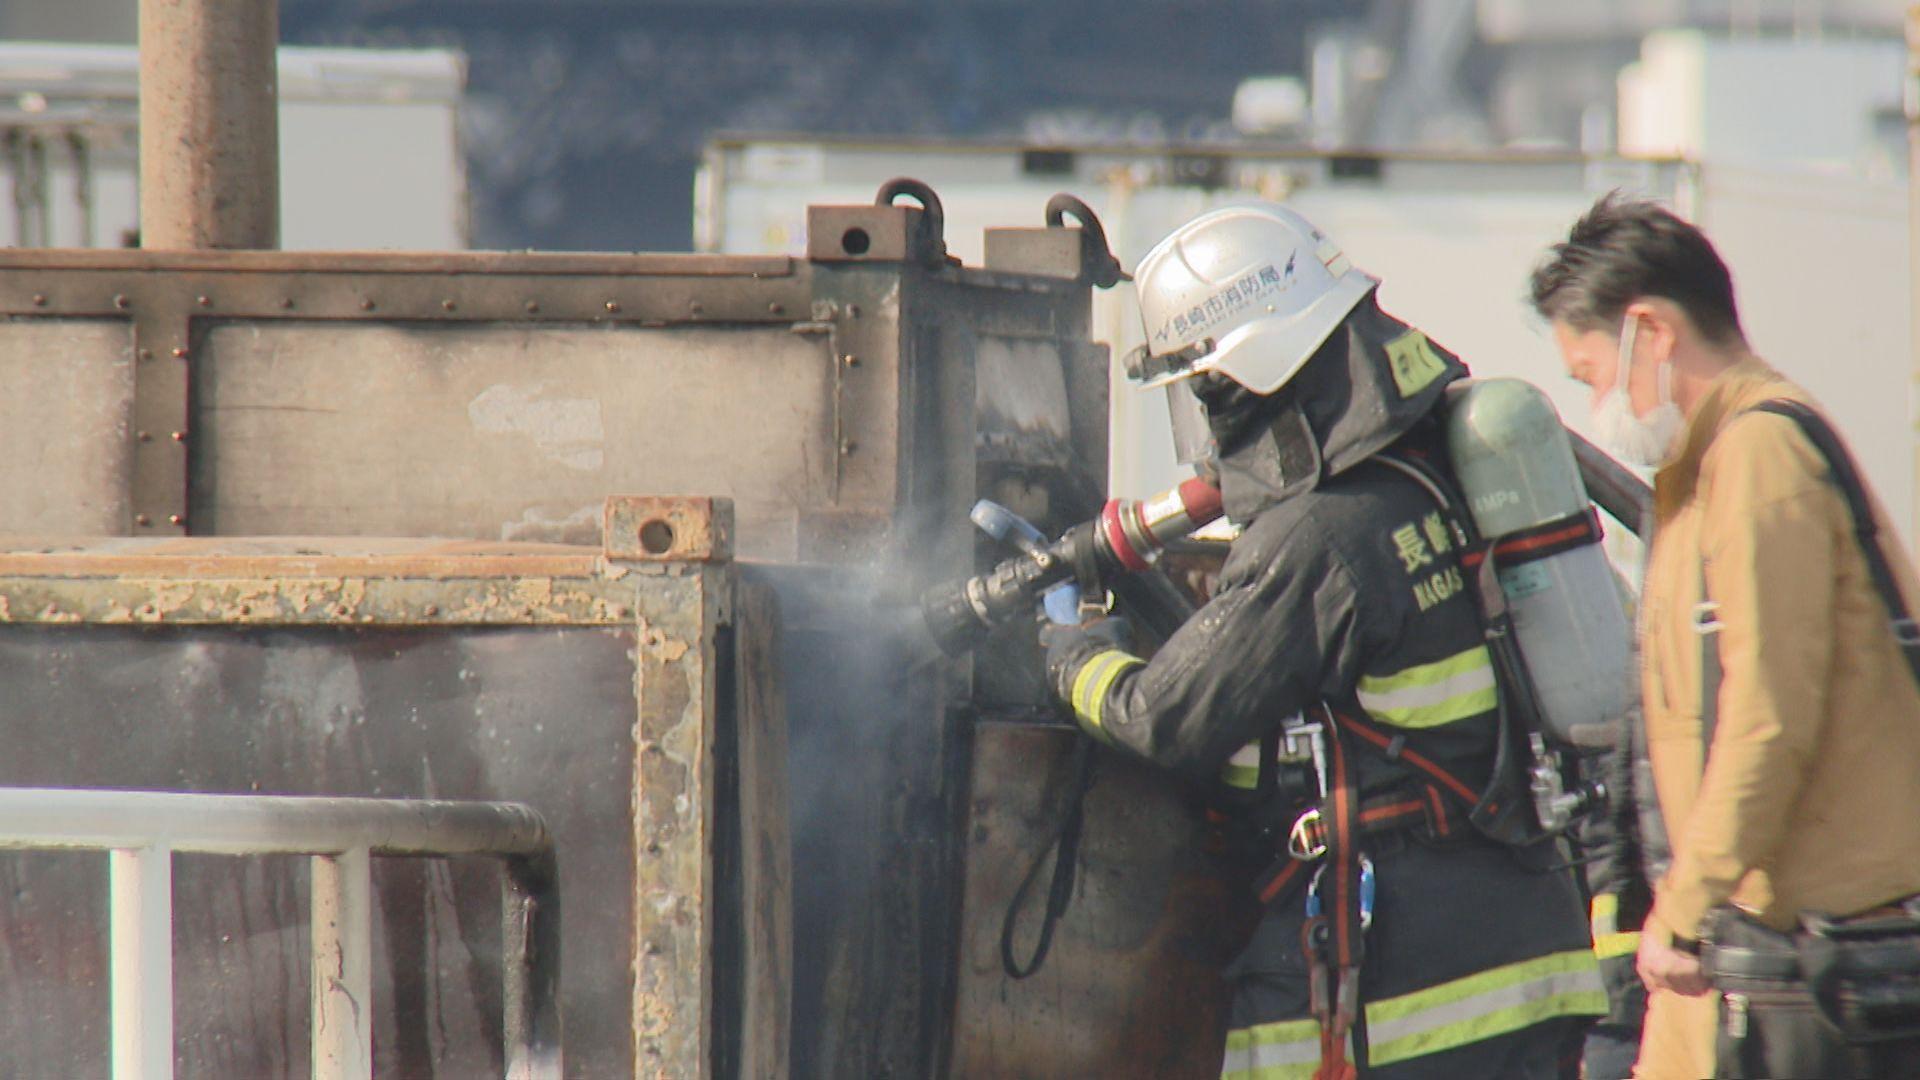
point(170, 300)
point(627, 701)
point(507, 432)
point(1132, 984)
point(758, 916)
point(66, 390)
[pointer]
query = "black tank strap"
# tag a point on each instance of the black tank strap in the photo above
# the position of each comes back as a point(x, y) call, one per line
point(1499, 813)
point(1542, 541)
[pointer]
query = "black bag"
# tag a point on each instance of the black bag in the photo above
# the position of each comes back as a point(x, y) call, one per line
point(1839, 999)
point(1864, 973)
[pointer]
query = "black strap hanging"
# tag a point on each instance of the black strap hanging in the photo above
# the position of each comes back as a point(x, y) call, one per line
point(1066, 847)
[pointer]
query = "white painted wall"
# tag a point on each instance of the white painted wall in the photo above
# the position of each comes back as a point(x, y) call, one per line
point(1763, 101)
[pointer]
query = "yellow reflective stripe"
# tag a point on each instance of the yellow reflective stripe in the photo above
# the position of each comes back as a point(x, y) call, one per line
point(1090, 685)
point(1243, 768)
point(1244, 777)
point(1286, 1050)
point(1608, 946)
point(1428, 695)
point(1484, 1005)
point(1608, 939)
point(1604, 913)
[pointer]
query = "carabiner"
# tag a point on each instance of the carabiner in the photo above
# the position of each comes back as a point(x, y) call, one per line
point(1367, 889)
point(1307, 840)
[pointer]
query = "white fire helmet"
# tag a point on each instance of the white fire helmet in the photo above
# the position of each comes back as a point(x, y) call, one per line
point(1248, 291)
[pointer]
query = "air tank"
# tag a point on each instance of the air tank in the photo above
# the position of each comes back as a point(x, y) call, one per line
point(1515, 465)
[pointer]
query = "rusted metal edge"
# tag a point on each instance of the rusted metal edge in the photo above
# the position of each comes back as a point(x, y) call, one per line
point(180, 296)
point(671, 264)
point(309, 601)
point(290, 557)
point(677, 686)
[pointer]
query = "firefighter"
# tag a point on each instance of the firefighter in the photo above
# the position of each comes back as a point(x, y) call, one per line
point(1397, 939)
point(1780, 711)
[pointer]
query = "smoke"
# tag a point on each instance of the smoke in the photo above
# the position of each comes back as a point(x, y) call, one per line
point(878, 771)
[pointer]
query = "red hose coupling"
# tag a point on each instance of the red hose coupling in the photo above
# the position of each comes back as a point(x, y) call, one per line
point(1117, 540)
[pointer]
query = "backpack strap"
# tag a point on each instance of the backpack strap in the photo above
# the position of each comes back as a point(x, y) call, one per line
point(1866, 531)
point(1508, 820)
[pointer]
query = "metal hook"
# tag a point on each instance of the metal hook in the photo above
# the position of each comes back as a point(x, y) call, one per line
point(935, 225)
point(1097, 263)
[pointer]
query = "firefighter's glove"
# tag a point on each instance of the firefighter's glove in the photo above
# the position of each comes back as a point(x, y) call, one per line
point(1070, 647)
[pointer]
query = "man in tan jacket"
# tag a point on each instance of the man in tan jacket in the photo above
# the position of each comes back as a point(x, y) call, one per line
point(1808, 798)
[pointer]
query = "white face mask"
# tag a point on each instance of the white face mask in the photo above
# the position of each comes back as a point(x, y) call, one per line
point(1637, 440)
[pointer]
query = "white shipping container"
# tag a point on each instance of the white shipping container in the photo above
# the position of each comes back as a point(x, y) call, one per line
point(370, 152)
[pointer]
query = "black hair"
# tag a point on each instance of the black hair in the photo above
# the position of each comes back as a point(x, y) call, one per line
point(1623, 249)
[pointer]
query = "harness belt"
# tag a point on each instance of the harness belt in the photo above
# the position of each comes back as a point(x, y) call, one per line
point(1333, 940)
point(1417, 807)
point(1324, 847)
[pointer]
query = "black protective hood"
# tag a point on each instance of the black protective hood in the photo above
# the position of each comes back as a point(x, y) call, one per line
point(1373, 380)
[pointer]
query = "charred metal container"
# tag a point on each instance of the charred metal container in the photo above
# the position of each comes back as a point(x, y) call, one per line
point(626, 690)
point(852, 405)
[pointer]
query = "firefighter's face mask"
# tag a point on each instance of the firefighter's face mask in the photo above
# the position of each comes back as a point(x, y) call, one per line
point(1193, 442)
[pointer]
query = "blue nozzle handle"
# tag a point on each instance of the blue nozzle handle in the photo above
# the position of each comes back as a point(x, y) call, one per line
point(1007, 527)
point(1062, 602)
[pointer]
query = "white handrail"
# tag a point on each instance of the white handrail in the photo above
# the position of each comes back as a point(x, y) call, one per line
point(142, 830)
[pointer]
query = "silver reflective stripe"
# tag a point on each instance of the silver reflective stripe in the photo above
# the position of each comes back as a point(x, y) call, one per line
point(1286, 1050)
point(1272, 1055)
point(1514, 997)
point(1429, 695)
point(1416, 697)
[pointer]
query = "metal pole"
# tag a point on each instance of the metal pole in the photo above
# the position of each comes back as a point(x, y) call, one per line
point(1912, 103)
point(209, 124)
point(141, 939)
point(342, 968)
point(82, 184)
point(39, 198)
point(17, 174)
